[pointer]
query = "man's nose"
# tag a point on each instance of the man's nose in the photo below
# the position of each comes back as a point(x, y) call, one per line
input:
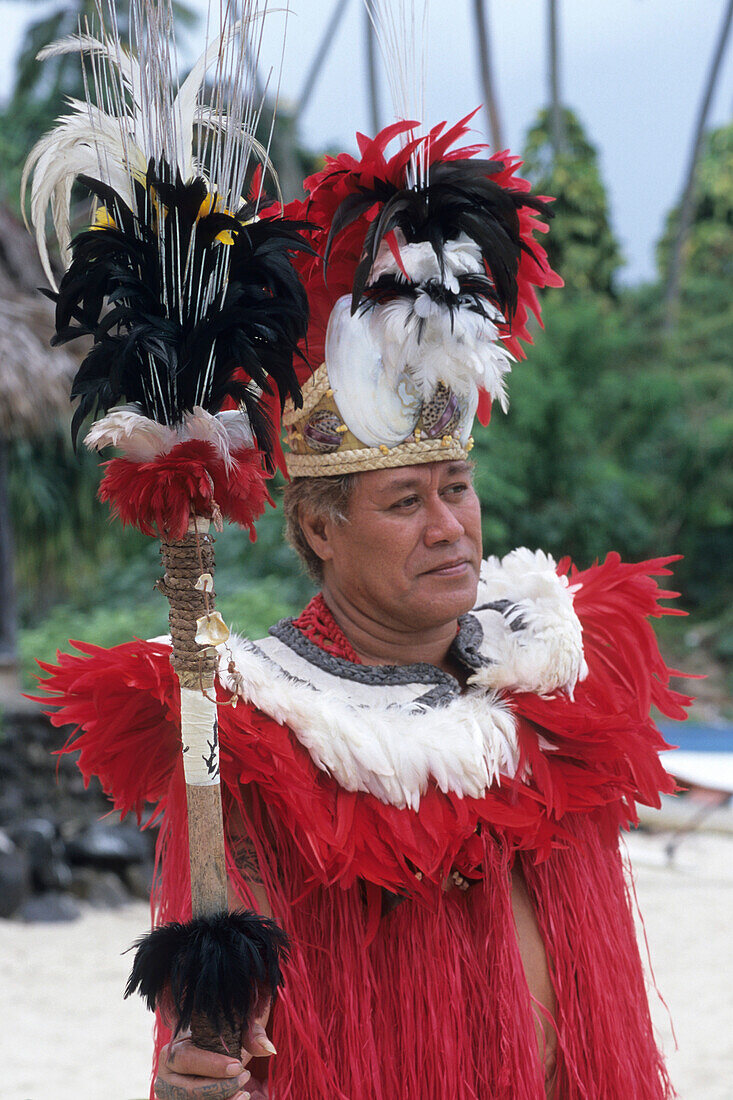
point(443, 525)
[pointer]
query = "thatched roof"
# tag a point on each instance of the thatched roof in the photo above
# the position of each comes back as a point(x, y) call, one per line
point(34, 379)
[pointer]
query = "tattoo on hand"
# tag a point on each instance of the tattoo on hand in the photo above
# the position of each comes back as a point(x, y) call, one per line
point(220, 1090)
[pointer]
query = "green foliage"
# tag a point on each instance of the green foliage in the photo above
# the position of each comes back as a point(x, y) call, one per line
point(62, 534)
point(81, 577)
point(563, 471)
point(615, 441)
point(709, 249)
point(250, 610)
point(581, 244)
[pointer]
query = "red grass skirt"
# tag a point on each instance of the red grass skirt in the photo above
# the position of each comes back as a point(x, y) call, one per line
point(431, 1001)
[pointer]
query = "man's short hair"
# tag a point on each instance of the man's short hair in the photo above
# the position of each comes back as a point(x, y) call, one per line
point(324, 497)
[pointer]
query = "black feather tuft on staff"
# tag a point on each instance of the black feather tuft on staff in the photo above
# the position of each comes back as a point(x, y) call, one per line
point(212, 968)
point(180, 296)
point(459, 197)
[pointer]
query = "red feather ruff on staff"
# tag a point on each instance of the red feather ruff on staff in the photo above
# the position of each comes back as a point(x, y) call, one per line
point(159, 496)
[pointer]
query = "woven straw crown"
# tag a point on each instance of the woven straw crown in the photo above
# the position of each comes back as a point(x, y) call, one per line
point(322, 445)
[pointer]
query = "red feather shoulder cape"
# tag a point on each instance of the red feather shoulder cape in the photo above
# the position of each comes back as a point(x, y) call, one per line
point(427, 999)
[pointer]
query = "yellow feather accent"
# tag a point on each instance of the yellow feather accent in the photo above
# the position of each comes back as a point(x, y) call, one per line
point(103, 219)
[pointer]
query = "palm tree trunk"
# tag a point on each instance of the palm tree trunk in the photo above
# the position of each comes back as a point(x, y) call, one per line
point(557, 126)
point(491, 105)
point(311, 77)
point(674, 277)
point(7, 585)
point(371, 66)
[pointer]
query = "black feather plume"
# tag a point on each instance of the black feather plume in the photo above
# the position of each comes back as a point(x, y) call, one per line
point(459, 197)
point(214, 968)
point(178, 297)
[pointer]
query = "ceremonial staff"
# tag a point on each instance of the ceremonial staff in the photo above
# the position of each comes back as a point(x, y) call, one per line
point(192, 303)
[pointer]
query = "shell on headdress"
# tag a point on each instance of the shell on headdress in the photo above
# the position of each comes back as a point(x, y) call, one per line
point(321, 432)
point(442, 413)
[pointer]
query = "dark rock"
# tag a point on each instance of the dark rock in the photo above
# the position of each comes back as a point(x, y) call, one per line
point(55, 875)
point(39, 756)
point(112, 847)
point(11, 768)
point(101, 889)
point(35, 834)
point(138, 879)
point(39, 838)
point(11, 804)
point(15, 877)
point(48, 908)
point(45, 808)
point(75, 784)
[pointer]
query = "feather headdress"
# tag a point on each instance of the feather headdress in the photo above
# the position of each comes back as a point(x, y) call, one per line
point(423, 282)
point(190, 296)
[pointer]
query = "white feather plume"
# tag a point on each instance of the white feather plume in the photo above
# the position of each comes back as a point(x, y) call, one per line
point(227, 431)
point(461, 349)
point(419, 261)
point(137, 436)
point(126, 65)
point(423, 338)
point(142, 439)
point(149, 116)
point(374, 397)
point(401, 30)
point(187, 100)
point(87, 142)
point(237, 428)
point(536, 643)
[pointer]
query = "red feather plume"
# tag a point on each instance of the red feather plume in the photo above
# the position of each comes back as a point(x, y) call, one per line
point(159, 496)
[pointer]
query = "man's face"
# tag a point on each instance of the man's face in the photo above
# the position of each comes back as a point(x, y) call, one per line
point(411, 551)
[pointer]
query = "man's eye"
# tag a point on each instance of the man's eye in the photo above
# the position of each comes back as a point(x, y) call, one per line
point(406, 502)
point(457, 489)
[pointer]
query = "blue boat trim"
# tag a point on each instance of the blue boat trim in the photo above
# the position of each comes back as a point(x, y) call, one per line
point(692, 738)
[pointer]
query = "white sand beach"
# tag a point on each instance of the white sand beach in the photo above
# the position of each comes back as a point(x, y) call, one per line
point(68, 1034)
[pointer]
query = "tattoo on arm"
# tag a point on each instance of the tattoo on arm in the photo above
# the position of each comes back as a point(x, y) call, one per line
point(245, 857)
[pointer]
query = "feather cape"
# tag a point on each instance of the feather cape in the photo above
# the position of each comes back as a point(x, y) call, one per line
point(329, 851)
point(604, 745)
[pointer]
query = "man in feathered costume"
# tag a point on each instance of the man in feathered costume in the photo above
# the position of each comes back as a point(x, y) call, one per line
point(424, 774)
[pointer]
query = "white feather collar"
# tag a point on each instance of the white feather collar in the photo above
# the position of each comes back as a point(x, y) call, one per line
point(387, 747)
point(389, 732)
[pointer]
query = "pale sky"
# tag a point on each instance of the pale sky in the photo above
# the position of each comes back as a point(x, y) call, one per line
point(632, 69)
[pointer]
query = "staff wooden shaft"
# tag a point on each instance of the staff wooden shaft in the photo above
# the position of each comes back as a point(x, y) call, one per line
point(185, 561)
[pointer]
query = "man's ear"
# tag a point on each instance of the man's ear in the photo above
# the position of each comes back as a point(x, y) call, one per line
point(317, 531)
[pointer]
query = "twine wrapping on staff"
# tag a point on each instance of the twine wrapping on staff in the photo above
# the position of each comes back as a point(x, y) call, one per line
point(185, 561)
